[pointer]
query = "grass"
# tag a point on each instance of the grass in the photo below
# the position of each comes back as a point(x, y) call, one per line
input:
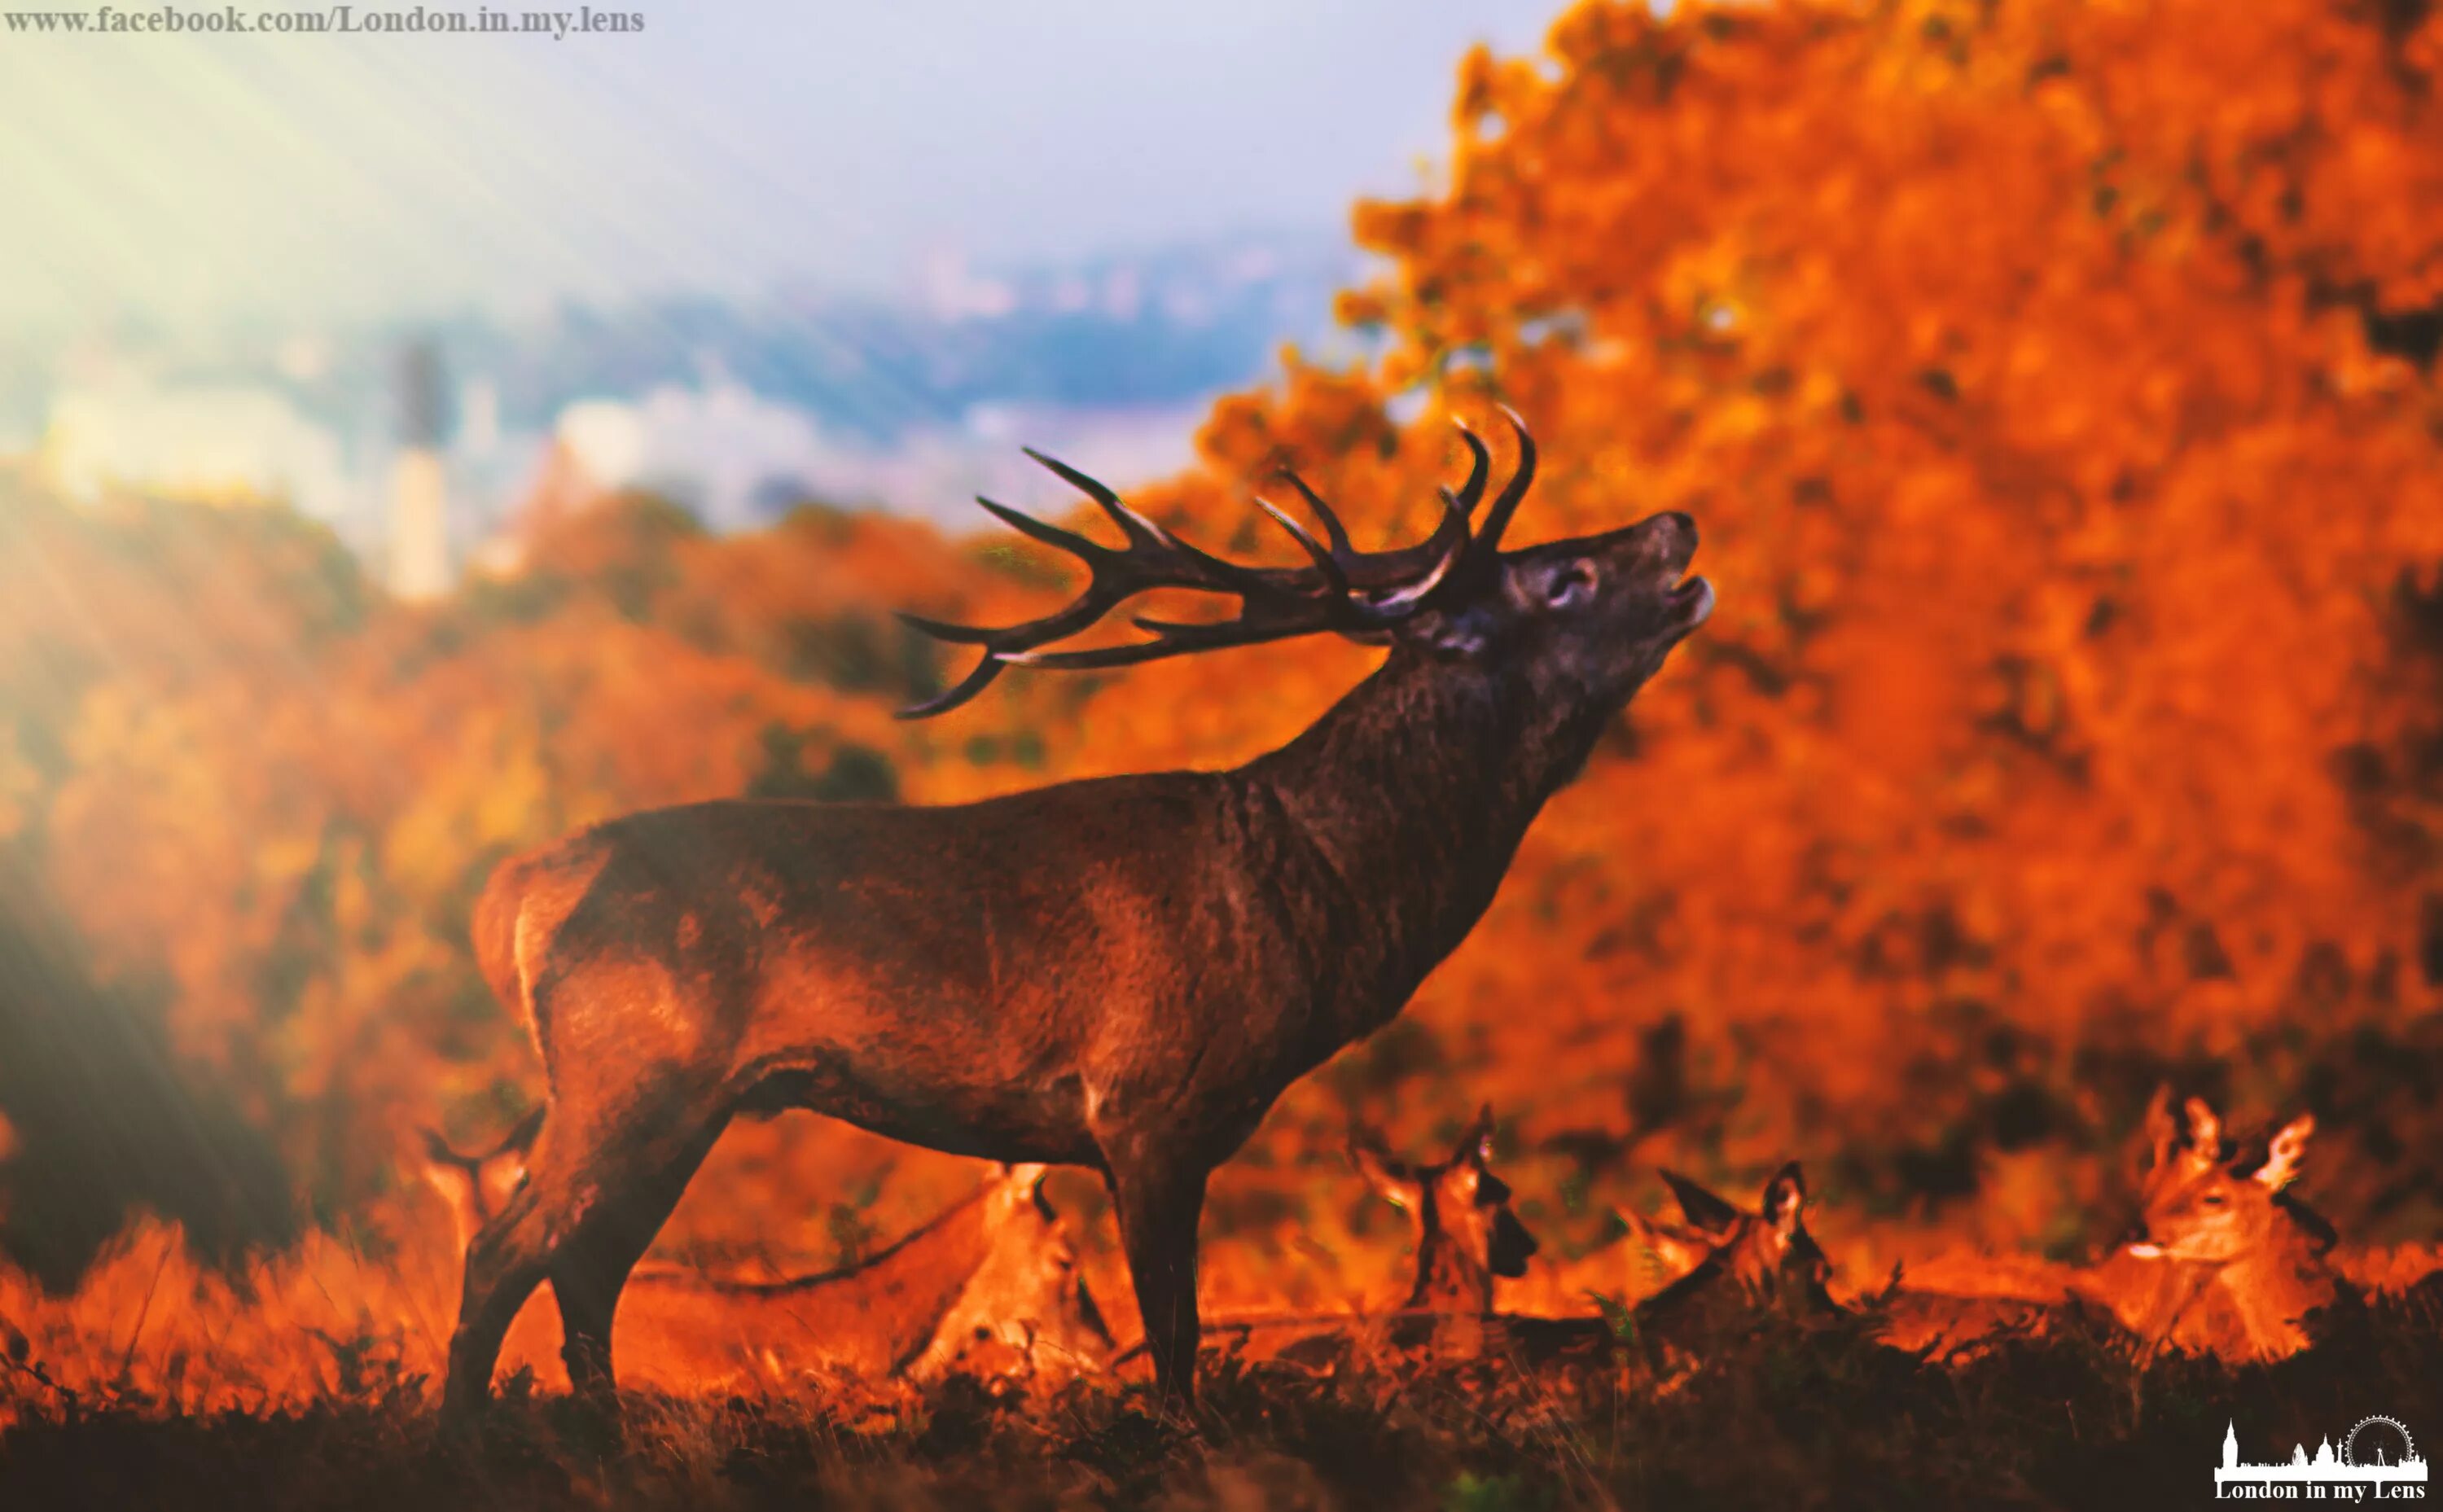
point(1785, 1416)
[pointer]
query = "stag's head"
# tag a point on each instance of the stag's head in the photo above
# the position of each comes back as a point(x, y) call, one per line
point(2202, 1209)
point(1460, 1212)
point(1576, 624)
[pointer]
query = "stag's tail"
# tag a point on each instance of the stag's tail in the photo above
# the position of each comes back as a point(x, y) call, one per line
point(495, 930)
point(523, 904)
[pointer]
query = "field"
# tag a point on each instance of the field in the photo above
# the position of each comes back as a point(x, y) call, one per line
point(1781, 1416)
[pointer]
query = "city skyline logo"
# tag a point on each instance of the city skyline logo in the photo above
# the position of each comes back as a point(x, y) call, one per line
point(2377, 1461)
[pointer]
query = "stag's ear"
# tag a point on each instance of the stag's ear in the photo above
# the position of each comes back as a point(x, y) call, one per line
point(1785, 1200)
point(2282, 1161)
point(1712, 1216)
point(2162, 1133)
point(1564, 585)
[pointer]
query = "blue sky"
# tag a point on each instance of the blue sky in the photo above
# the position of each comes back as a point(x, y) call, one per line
point(727, 149)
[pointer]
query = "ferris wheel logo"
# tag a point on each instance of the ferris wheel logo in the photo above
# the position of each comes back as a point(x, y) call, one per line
point(2389, 1444)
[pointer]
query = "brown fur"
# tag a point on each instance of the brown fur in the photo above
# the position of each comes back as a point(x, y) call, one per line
point(1121, 974)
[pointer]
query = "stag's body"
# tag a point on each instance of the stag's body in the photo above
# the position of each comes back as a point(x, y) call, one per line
point(1121, 974)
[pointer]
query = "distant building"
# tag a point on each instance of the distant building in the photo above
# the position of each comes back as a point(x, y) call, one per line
point(419, 565)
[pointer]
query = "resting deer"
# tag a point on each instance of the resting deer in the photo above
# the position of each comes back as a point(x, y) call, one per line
point(1647, 1255)
point(990, 1286)
point(1466, 1235)
point(2226, 1263)
point(1460, 1212)
point(2257, 1262)
point(1765, 1259)
point(1121, 974)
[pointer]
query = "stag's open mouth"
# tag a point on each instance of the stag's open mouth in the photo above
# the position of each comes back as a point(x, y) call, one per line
point(1689, 604)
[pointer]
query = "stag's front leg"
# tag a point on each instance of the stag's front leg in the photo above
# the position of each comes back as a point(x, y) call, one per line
point(1159, 1204)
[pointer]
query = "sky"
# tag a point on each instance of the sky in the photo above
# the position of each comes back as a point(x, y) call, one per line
point(727, 149)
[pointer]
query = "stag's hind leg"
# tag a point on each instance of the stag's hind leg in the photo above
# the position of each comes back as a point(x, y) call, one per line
point(582, 1190)
point(593, 1265)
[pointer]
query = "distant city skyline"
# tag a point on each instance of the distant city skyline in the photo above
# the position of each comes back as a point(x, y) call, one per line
point(737, 410)
point(731, 151)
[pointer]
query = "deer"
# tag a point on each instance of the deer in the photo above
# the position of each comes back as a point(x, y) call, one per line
point(1763, 1259)
point(1121, 974)
point(2224, 1262)
point(1646, 1255)
point(1459, 1210)
point(2255, 1261)
point(1466, 1235)
point(991, 1285)
point(1745, 1266)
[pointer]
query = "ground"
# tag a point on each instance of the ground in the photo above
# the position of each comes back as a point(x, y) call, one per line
point(1789, 1416)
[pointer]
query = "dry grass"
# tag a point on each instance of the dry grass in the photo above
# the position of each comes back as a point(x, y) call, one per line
point(1786, 1416)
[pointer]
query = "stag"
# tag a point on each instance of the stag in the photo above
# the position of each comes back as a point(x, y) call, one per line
point(1121, 974)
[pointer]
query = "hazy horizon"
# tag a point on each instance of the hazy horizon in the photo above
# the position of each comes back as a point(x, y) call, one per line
point(217, 179)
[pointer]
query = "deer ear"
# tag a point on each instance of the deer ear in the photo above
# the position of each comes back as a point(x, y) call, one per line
point(451, 1173)
point(2205, 1133)
point(1785, 1200)
point(2282, 1161)
point(2162, 1133)
point(1674, 1250)
point(436, 1149)
point(1476, 1143)
point(522, 1137)
point(1713, 1217)
point(1381, 1172)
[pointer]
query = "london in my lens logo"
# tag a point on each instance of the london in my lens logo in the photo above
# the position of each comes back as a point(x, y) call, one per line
point(2375, 1462)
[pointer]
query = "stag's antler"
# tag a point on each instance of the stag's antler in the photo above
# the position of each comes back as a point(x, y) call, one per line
point(1346, 591)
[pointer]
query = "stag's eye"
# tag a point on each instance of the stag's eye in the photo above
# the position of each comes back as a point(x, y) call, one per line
point(2213, 1200)
point(1570, 585)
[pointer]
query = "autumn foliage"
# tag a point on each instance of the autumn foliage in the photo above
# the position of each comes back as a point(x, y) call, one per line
point(2055, 385)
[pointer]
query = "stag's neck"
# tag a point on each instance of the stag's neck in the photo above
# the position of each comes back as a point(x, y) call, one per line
point(1405, 803)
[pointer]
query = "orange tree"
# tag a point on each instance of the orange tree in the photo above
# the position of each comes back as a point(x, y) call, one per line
point(2053, 384)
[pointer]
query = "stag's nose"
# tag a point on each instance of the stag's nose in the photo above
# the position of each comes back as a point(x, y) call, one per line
point(1667, 540)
